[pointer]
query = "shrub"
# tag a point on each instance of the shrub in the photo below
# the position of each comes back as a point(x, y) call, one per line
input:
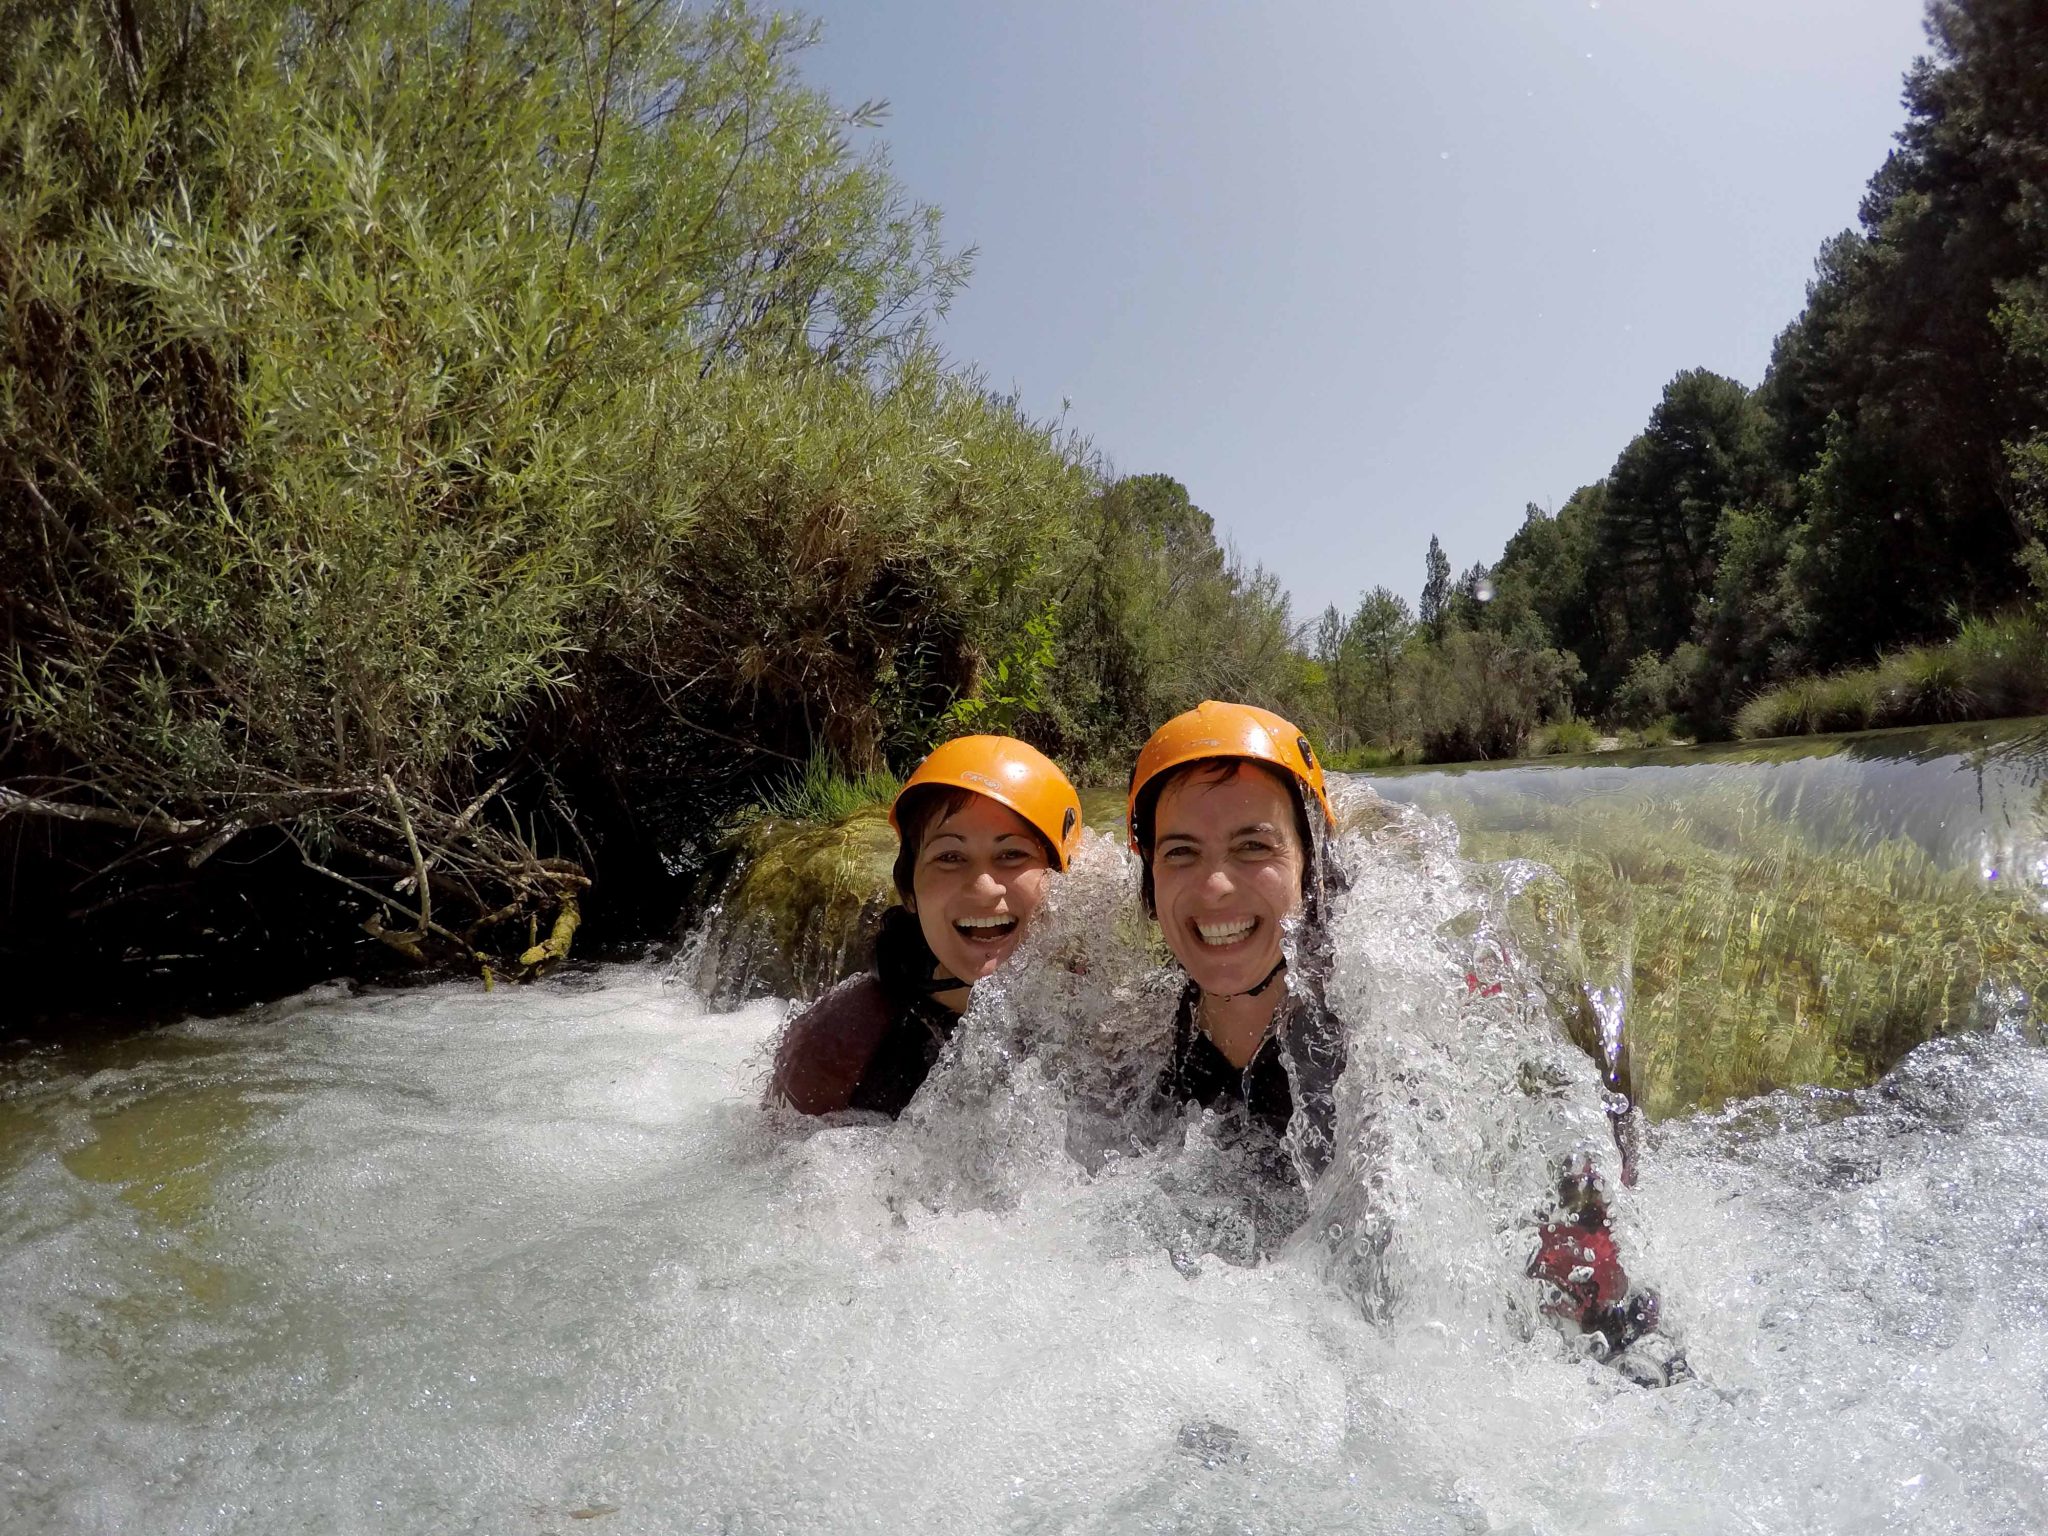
point(1646, 693)
point(1560, 737)
point(1479, 695)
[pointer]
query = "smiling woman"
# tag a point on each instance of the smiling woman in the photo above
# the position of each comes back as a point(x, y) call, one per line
point(981, 826)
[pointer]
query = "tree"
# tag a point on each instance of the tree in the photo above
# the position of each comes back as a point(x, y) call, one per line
point(1332, 653)
point(1379, 634)
point(1699, 455)
point(1436, 591)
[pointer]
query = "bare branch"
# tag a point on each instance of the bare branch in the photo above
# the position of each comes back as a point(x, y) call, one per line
point(12, 801)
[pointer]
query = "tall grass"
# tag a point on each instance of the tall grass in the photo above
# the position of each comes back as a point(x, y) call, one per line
point(1995, 668)
point(823, 792)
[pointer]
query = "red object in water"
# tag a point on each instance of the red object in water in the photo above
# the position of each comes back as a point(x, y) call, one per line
point(1582, 1263)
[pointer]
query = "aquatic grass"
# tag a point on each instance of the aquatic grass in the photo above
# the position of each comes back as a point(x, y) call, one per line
point(1751, 958)
point(824, 793)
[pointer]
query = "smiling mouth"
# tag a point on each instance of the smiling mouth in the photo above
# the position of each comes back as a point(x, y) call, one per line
point(985, 930)
point(1222, 935)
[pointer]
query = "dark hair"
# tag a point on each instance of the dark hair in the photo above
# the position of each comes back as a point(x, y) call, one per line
point(1145, 815)
point(919, 810)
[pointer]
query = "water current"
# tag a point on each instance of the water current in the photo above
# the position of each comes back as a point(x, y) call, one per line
point(538, 1261)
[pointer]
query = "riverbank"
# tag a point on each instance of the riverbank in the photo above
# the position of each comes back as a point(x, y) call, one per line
point(1994, 669)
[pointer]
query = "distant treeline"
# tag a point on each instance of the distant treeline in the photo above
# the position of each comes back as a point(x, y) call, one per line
point(1878, 503)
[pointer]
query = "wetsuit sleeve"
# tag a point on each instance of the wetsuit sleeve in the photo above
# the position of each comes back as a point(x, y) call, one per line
point(826, 1048)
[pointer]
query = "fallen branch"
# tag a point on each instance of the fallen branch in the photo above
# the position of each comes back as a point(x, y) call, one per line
point(556, 949)
point(14, 802)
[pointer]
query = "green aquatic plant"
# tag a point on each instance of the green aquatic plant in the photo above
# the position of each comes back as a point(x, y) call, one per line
point(1752, 958)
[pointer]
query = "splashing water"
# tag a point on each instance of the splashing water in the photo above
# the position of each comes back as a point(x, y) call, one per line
point(442, 1260)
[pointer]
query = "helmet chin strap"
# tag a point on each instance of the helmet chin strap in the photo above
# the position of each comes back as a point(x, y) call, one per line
point(1278, 966)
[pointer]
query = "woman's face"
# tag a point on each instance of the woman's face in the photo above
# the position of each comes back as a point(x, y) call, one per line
point(1226, 872)
point(978, 878)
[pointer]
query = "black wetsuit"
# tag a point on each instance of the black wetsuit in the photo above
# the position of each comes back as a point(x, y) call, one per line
point(1303, 1052)
point(871, 1041)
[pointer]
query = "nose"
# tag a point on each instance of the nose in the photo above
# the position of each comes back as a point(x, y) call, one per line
point(1216, 882)
point(985, 883)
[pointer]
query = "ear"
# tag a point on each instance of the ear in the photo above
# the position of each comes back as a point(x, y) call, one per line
point(910, 905)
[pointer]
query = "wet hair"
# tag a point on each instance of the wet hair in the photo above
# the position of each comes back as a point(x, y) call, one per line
point(1217, 770)
point(919, 811)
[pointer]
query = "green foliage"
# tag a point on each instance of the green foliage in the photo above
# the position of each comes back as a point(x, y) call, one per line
point(1480, 696)
point(1891, 469)
point(1993, 668)
point(402, 394)
point(1436, 590)
point(1155, 618)
point(1563, 737)
point(1662, 732)
point(1018, 687)
point(1366, 759)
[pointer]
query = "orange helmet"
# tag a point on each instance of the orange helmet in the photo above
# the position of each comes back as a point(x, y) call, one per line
point(1012, 774)
point(1211, 729)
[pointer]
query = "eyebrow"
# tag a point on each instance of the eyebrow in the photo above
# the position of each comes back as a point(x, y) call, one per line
point(1271, 829)
point(1001, 837)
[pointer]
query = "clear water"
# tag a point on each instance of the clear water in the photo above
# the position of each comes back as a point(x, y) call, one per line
point(536, 1261)
point(1974, 798)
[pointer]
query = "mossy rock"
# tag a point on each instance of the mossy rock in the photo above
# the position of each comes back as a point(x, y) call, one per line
point(800, 909)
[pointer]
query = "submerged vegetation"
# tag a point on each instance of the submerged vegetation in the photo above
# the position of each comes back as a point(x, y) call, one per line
point(1750, 959)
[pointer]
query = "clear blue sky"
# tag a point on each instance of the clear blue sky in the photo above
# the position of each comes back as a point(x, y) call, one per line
point(1360, 273)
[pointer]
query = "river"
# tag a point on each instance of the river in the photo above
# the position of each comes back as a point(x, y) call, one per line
point(535, 1260)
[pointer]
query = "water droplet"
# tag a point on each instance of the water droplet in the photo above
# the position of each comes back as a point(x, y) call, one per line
point(1445, 155)
point(1484, 591)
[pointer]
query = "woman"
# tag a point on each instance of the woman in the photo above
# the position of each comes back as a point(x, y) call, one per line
point(1228, 814)
point(981, 826)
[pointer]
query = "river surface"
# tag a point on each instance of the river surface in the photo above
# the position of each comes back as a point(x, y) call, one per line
point(535, 1260)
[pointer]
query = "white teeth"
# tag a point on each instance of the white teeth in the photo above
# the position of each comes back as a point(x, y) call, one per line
point(986, 922)
point(1226, 933)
